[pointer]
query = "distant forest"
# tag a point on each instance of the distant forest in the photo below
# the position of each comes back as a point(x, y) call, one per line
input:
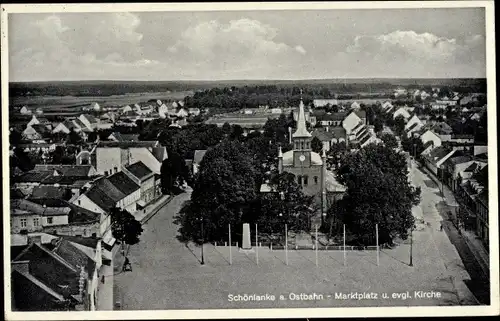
point(319, 88)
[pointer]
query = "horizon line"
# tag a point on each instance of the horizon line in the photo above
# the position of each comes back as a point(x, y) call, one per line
point(249, 80)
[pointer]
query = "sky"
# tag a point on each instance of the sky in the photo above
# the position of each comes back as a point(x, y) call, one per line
point(218, 45)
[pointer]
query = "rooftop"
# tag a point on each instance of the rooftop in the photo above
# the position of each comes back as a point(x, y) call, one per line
point(198, 155)
point(123, 183)
point(46, 191)
point(138, 144)
point(66, 170)
point(139, 170)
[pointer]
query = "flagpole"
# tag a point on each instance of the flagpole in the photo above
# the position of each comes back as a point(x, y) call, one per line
point(286, 245)
point(344, 247)
point(316, 245)
point(230, 256)
point(256, 244)
point(378, 254)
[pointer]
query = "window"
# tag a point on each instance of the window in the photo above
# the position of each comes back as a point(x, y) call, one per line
point(305, 180)
point(50, 220)
point(301, 145)
point(36, 221)
point(299, 180)
point(24, 222)
point(316, 180)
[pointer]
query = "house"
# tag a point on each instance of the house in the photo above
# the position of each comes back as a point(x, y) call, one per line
point(351, 121)
point(329, 119)
point(436, 158)
point(29, 216)
point(424, 95)
point(65, 127)
point(414, 124)
point(182, 113)
point(25, 110)
point(387, 106)
point(429, 136)
point(61, 278)
point(400, 92)
point(145, 178)
point(119, 137)
point(39, 120)
point(198, 157)
point(36, 132)
point(130, 189)
point(89, 121)
point(402, 112)
point(126, 109)
point(318, 103)
point(27, 181)
point(194, 111)
point(74, 184)
point(330, 135)
point(67, 170)
point(163, 111)
point(95, 107)
point(443, 130)
point(355, 105)
point(459, 168)
point(111, 156)
point(105, 194)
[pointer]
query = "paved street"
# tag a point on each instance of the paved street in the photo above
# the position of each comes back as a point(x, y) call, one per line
point(168, 275)
point(455, 253)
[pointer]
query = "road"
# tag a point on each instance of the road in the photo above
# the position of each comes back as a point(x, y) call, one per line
point(168, 275)
point(454, 252)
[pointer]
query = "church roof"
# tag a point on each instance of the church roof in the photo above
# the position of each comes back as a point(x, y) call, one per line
point(301, 123)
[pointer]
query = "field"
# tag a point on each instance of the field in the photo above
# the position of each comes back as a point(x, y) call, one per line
point(68, 103)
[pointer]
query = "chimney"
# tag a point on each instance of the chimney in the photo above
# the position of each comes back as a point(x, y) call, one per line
point(21, 266)
point(327, 129)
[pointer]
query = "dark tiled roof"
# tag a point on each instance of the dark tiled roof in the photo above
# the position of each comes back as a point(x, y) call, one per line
point(41, 129)
point(148, 144)
point(66, 170)
point(65, 180)
point(46, 191)
point(32, 177)
point(159, 153)
point(338, 131)
point(81, 215)
point(74, 256)
point(50, 202)
point(139, 170)
point(360, 113)
point(322, 135)
point(16, 193)
point(123, 183)
point(90, 118)
point(23, 296)
point(100, 198)
point(91, 242)
point(438, 154)
point(50, 268)
point(472, 167)
point(460, 159)
point(331, 116)
point(79, 123)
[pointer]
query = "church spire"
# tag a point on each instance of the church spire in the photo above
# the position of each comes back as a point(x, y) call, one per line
point(301, 121)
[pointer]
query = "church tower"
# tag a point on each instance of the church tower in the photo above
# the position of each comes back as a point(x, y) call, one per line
point(301, 140)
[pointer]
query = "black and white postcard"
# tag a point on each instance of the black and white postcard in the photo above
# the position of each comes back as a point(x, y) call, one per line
point(225, 160)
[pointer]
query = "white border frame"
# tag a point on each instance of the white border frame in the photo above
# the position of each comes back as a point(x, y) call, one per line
point(492, 309)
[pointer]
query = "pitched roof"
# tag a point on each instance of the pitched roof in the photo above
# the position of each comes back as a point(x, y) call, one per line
point(25, 293)
point(460, 159)
point(69, 124)
point(66, 170)
point(301, 123)
point(79, 123)
point(81, 215)
point(338, 131)
point(360, 113)
point(123, 183)
point(198, 155)
point(32, 177)
point(148, 144)
point(322, 135)
point(90, 118)
point(437, 154)
point(46, 191)
point(100, 198)
point(331, 116)
point(73, 181)
point(74, 256)
point(139, 170)
point(41, 129)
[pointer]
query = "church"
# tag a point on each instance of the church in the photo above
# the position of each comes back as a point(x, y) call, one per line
point(309, 168)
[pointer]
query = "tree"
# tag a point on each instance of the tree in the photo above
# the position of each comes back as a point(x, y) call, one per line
point(336, 152)
point(15, 137)
point(399, 125)
point(286, 204)
point(378, 192)
point(236, 132)
point(174, 173)
point(224, 188)
point(125, 227)
point(74, 138)
point(412, 145)
point(316, 145)
point(378, 124)
point(389, 140)
point(22, 160)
